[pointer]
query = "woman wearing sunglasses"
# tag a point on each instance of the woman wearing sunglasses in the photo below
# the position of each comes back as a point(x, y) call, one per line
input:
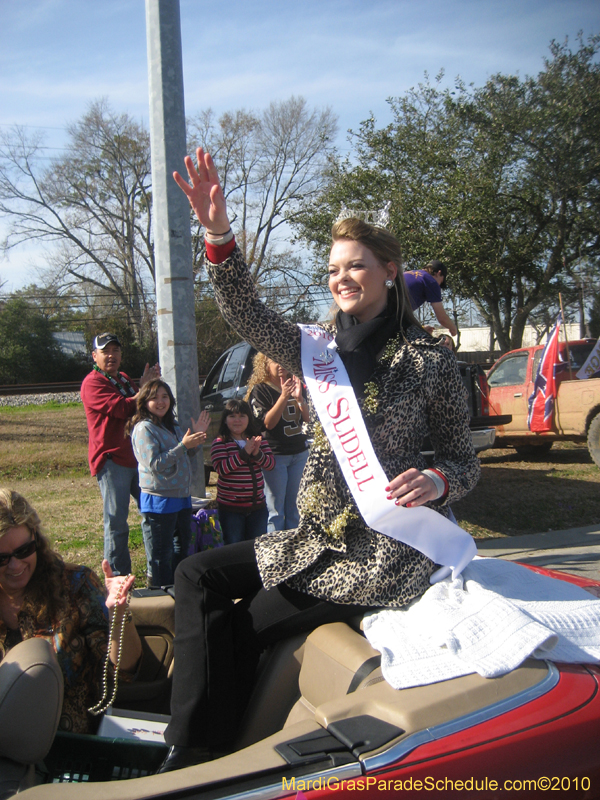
point(41, 596)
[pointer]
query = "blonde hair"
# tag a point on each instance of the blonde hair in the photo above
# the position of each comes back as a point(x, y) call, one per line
point(16, 511)
point(44, 598)
point(385, 247)
point(260, 372)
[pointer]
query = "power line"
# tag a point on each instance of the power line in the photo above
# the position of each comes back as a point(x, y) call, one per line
point(33, 127)
point(315, 294)
point(49, 296)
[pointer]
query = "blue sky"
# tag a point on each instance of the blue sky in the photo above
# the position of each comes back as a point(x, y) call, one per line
point(57, 56)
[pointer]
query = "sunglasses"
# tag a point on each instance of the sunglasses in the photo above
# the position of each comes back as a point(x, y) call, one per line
point(22, 552)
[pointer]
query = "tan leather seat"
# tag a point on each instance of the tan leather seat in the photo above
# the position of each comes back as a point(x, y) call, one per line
point(335, 675)
point(31, 697)
point(337, 662)
point(275, 692)
point(340, 678)
point(154, 618)
point(303, 672)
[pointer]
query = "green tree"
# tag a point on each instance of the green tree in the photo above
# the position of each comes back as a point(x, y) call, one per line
point(65, 311)
point(29, 353)
point(548, 187)
point(501, 182)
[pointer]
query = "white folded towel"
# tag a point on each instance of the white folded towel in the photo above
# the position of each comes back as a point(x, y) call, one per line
point(488, 620)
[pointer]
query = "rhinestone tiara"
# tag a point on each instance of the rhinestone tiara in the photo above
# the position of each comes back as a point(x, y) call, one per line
point(380, 217)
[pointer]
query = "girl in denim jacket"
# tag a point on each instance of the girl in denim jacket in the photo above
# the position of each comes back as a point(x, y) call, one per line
point(163, 454)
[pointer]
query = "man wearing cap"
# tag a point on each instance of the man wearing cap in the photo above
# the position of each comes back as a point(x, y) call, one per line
point(425, 285)
point(109, 399)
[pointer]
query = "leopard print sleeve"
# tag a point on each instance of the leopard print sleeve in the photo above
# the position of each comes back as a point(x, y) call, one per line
point(448, 419)
point(240, 306)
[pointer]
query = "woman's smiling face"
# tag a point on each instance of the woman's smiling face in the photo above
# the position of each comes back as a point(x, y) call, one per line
point(357, 279)
point(15, 575)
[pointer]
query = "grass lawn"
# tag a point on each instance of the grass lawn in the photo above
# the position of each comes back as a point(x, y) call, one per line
point(44, 456)
point(516, 496)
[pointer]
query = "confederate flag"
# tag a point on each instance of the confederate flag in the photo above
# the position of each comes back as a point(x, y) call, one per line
point(541, 401)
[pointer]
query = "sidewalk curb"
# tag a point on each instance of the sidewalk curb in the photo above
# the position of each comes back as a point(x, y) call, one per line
point(576, 550)
point(587, 536)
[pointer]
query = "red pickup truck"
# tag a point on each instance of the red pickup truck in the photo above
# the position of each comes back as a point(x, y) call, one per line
point(577, 409)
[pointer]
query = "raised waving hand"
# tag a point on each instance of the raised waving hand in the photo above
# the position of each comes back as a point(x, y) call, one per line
point(205, 193)
point(201, 424)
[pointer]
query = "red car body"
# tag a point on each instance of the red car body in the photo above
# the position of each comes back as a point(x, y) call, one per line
point(520, 743)
point(519, 753)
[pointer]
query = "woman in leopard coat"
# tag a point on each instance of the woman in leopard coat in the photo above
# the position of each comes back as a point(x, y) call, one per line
point(333, 565)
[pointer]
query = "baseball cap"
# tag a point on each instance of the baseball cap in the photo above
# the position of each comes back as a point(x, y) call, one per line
point(437, 266)
point(103, 339)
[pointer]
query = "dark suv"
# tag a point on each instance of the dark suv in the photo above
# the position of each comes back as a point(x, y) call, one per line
point(230, 375)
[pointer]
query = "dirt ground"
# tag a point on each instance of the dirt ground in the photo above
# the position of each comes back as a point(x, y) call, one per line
point(44, 456)
point(516, 496)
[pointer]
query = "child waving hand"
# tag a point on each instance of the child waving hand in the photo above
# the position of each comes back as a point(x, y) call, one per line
point(163, 454)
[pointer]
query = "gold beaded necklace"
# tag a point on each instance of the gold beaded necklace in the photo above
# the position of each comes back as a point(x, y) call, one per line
point(103, 706)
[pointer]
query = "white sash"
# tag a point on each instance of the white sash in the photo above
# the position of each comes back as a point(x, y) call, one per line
point(337, 407)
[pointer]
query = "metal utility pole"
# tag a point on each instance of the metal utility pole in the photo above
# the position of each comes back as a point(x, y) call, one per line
point(172, 235)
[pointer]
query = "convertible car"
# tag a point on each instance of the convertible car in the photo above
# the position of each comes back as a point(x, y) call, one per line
point(323, 722)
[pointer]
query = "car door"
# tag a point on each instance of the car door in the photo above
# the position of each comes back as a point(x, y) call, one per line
point(211, 398)
point(574, 401)
point(508, 390)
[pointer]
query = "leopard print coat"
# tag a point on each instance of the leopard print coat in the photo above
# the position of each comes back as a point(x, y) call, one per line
point(415, 390)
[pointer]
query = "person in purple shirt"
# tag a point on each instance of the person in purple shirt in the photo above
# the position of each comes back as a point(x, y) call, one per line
point(425, 286)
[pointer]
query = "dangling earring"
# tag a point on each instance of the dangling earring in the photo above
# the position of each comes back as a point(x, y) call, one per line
point(389, 283)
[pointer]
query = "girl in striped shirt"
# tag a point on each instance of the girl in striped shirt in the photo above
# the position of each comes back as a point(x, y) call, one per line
point(238, 456)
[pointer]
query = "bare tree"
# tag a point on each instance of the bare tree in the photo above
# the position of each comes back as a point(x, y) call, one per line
point(269, 163)
point(93, 205)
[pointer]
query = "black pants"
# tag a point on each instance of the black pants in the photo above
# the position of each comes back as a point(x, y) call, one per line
point(218, 642)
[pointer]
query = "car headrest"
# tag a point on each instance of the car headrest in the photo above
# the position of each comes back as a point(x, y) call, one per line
point(31, 697)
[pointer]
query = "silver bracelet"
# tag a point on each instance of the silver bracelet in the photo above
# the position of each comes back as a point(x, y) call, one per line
point(439, 482)
point(219, 240)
